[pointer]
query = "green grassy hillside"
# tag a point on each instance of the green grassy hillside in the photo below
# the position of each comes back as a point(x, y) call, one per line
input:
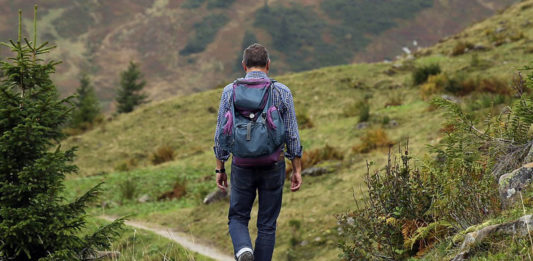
point(329, 97)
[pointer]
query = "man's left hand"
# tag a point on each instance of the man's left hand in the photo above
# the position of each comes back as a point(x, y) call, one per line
point(222, 181)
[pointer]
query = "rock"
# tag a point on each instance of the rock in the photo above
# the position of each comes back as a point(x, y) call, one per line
point(304, 243)
point(451, 98)
point(98, 255)
point(500, 29)
point(217, 195)
point(393, 123)
point(479, 47)
point(314, 171)
point(144, 198)
point(362, 125)
point(321, 169)
point(520, 227)
point(511, 183)
point(318, 239)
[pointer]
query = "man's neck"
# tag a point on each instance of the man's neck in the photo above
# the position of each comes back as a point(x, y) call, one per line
point(255, 69)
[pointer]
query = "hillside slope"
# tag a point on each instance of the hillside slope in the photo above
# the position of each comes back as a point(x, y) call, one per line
point(329, 98)
point(186, 46)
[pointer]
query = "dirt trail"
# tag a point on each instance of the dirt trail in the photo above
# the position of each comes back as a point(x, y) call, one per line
point(184, 240)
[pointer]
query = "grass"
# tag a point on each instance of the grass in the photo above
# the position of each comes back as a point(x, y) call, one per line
point(187, 124)
point(137, 244)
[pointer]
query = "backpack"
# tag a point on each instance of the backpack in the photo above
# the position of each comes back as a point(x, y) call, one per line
point(253, 128)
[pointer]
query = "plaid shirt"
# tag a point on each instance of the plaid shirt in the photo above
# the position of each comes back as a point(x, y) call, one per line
point(282, 99)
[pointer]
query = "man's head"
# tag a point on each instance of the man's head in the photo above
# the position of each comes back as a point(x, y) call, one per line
point(255, 58)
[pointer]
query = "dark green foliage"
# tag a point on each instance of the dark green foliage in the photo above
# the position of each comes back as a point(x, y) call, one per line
point(421, 74)
point(131, 84)
point(74, 21)
point(204, 33)
point(219, 3)
point(248, 39)
point(362, 17)
point(191, 4)
point(87, 106)
point(36, 222)
point(297, 33)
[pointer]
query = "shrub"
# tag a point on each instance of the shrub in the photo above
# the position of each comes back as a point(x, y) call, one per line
point(178, 191)
point(461, 48)
point(313, 157)
point(421, 74)
point(127, 189)
point(360, 109)
point(126, 165)
point(435, 84)
point(162, 154)
point(373, 139)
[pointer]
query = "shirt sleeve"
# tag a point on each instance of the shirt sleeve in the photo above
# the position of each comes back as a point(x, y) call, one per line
point(292, 137)
point(221, 154)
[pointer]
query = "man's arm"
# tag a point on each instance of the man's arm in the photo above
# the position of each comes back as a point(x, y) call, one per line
point(292, 139)
point(220, 154)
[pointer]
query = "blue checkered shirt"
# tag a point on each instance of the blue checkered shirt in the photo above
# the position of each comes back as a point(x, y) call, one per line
point(282, 98)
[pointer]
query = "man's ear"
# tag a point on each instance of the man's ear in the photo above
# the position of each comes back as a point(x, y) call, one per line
point(244, 67)
point(268, 65)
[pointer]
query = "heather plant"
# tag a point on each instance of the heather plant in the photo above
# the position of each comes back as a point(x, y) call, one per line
point(36, 221)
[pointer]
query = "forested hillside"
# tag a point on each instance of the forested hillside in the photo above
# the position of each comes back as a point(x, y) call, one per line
point(157, 161)
point(185, 46)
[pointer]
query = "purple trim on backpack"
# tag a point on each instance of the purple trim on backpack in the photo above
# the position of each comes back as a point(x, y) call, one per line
point(257, 162)
point(270, 122)
point(229, 123)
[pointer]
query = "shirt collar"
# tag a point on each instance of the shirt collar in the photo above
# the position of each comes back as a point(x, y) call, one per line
point(255, 74)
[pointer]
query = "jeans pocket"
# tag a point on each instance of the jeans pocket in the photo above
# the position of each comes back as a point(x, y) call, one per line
point(241, 178)
point(274, 178)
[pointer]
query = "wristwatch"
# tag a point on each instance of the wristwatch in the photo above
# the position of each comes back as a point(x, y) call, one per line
point(220, 170)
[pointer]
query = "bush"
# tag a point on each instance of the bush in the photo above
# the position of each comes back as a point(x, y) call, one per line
point(313, 157)
point(163, 154)
point(461, 48)
point(126, 165)
point(127, 190)
point(421, 74)
point(373, 139)
point(435, 84)
point(360, 109)
point(178, 191)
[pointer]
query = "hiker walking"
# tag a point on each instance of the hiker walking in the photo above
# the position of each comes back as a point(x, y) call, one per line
point(256, 119)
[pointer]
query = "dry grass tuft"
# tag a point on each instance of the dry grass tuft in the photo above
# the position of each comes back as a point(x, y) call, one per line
point(313, 157)
point(373, 139)
point(178, 191)
point(163, 154)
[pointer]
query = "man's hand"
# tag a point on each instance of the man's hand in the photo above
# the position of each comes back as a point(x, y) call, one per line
point(222, 181)
point(296, 181)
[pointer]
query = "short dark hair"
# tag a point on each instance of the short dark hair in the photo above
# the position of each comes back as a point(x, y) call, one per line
point(255, 55)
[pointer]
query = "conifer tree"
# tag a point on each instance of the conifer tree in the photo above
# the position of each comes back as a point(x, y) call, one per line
point(87, 107)
point(131, 85)
point(36, 221)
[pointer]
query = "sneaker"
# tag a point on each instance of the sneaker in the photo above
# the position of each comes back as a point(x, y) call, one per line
point(246, 256)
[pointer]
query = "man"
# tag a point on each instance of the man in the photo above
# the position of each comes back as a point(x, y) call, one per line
point(266, 180)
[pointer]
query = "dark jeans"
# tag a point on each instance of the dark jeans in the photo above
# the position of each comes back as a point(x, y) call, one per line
point(268, 182)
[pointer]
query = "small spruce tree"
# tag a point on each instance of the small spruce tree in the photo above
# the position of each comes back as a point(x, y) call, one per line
point(131, 85)
point(87, 107)
point(36, 221)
